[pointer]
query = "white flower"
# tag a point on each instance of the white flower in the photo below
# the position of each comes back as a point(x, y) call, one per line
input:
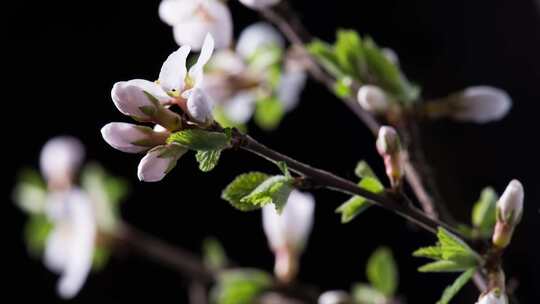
point(192, 20)
point(510, 204)
point(290, 86)
point(159, 161)
point(257, 36)
point(287, 233)
point(259, 4)
point(373, 99)
point(481, 104)
point(70, 246)
point(493, 297)
point(333, 297)
point(132, 138)
point(60, 158)
point(240, 107)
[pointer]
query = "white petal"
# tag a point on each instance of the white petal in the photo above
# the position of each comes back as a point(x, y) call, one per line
point(176, 11)
point(196, 71)
point(493, 298)
point(226, 61)
point(334, 297)
point(57, 249)
point(256, 36)
point(158, 162)
point(240, 108)
point(211, 17)
point(290, 88)
point(60, 158)
point(258, 4)
point(293, 226)
point(199, 105)
point(482, 104)
point(129, 99)
point(130, 138)
point(151, 87)
point(173, 72)
point(511, 201)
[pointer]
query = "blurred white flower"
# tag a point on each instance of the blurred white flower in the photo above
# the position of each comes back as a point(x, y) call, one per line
point(481, 104)
point(257, 36)
point(192, 20)
point(132, 138)
point(259, 4)
point(334, 297)
point(373, 99)
point(70, 246)
point(493, 297)
point(60, 159)
point(159, 161)
point(287, 233)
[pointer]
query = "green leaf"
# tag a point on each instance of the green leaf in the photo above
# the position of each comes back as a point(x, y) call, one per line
point(283, 168)
point(214, 255)
point(387, 75)
point(197, 139)
point(453, 289)
point(484, 212)
point(444, 266)
point(269, 113)
point(352, 208)
point(342, 87)
point(364, 170)
point(365, 294)
point(36, 231)
point(453, 248)
point(349, 53)
point(100, 258)
point(325, 55)
point(208, 159)
point(433, 252)
point(382, 271)
point(30, 193)
point(371, 184)
point(275, 190)
point(240, 286)
point(242, 186)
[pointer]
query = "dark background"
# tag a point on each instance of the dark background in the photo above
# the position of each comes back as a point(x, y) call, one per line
point(63, 59)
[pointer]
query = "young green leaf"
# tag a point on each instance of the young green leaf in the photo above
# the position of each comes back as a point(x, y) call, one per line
point(325, 55)
point(453, 248)
point(364, 170)
point(36, 231)
point(453, 289)
point(197, 139)
point(284, 168)
point(349, 53)
point(214, 255)
point(371, 184)
point(444, 266)
point(352, 208)
point(242, 186)
point(208, 159)
point(240, 286)
point(30, 193)
point(484, 211)
point(365, 294)
point(342, 87)
point(382, 271)
point(274, 190)
point(269, 113)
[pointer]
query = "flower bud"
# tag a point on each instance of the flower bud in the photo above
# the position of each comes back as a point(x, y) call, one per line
point(199, 106)
point(132, 138)
point(259, 4)
point(509, 213)
point(159, 161)
point(373, 99)
point(389, 147)
point(60, 159)
point(494, 296)
point(334, 297)
point(287, 233)
point(480, 104)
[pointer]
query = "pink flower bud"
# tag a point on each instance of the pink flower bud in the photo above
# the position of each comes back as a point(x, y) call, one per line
point(132, 138)
point(159, 161)
point(509, 213)
point(60, 159)
point(389, 147)
point(481, 104)
point(373, 99)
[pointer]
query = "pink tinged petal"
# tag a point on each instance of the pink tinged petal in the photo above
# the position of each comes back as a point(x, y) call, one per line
point(240, 108)
point(60, 158)
point(131, 138)
point(199, 105)
point(196, 71)
point(173, 72)
point(159, 161)
point(292, 227)
point(511, 202)
point(152, 88)
point(211, 17)
point(133, 101)
point(255, 36)
point(259, 4)
point(482, 104)
point(176, 11)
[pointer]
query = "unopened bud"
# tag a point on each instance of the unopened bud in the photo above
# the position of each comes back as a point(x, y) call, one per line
point(132, 138)
point(495, 296)
point(334, 297)
point(509, 213)
point(480, 104)
point(159, 161)
point(373, 99)
point(259, 4)
point(389, 147)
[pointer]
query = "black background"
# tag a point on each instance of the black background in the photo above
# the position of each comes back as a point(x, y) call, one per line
point(63, 59)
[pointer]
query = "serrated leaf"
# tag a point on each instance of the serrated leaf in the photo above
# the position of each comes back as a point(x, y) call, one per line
point(484, 212)
point(275, 190)
point(214, 255)
point(208, 159)
point(444, 266)
point(363, 169)
point(453, 248)
point(365, 294)
point(453, 289)
point(240, 286)
point(352, 208)
point(197, 139)
point(433, 252)
point(269, 113)
point(242, 186)
point(382, 271)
